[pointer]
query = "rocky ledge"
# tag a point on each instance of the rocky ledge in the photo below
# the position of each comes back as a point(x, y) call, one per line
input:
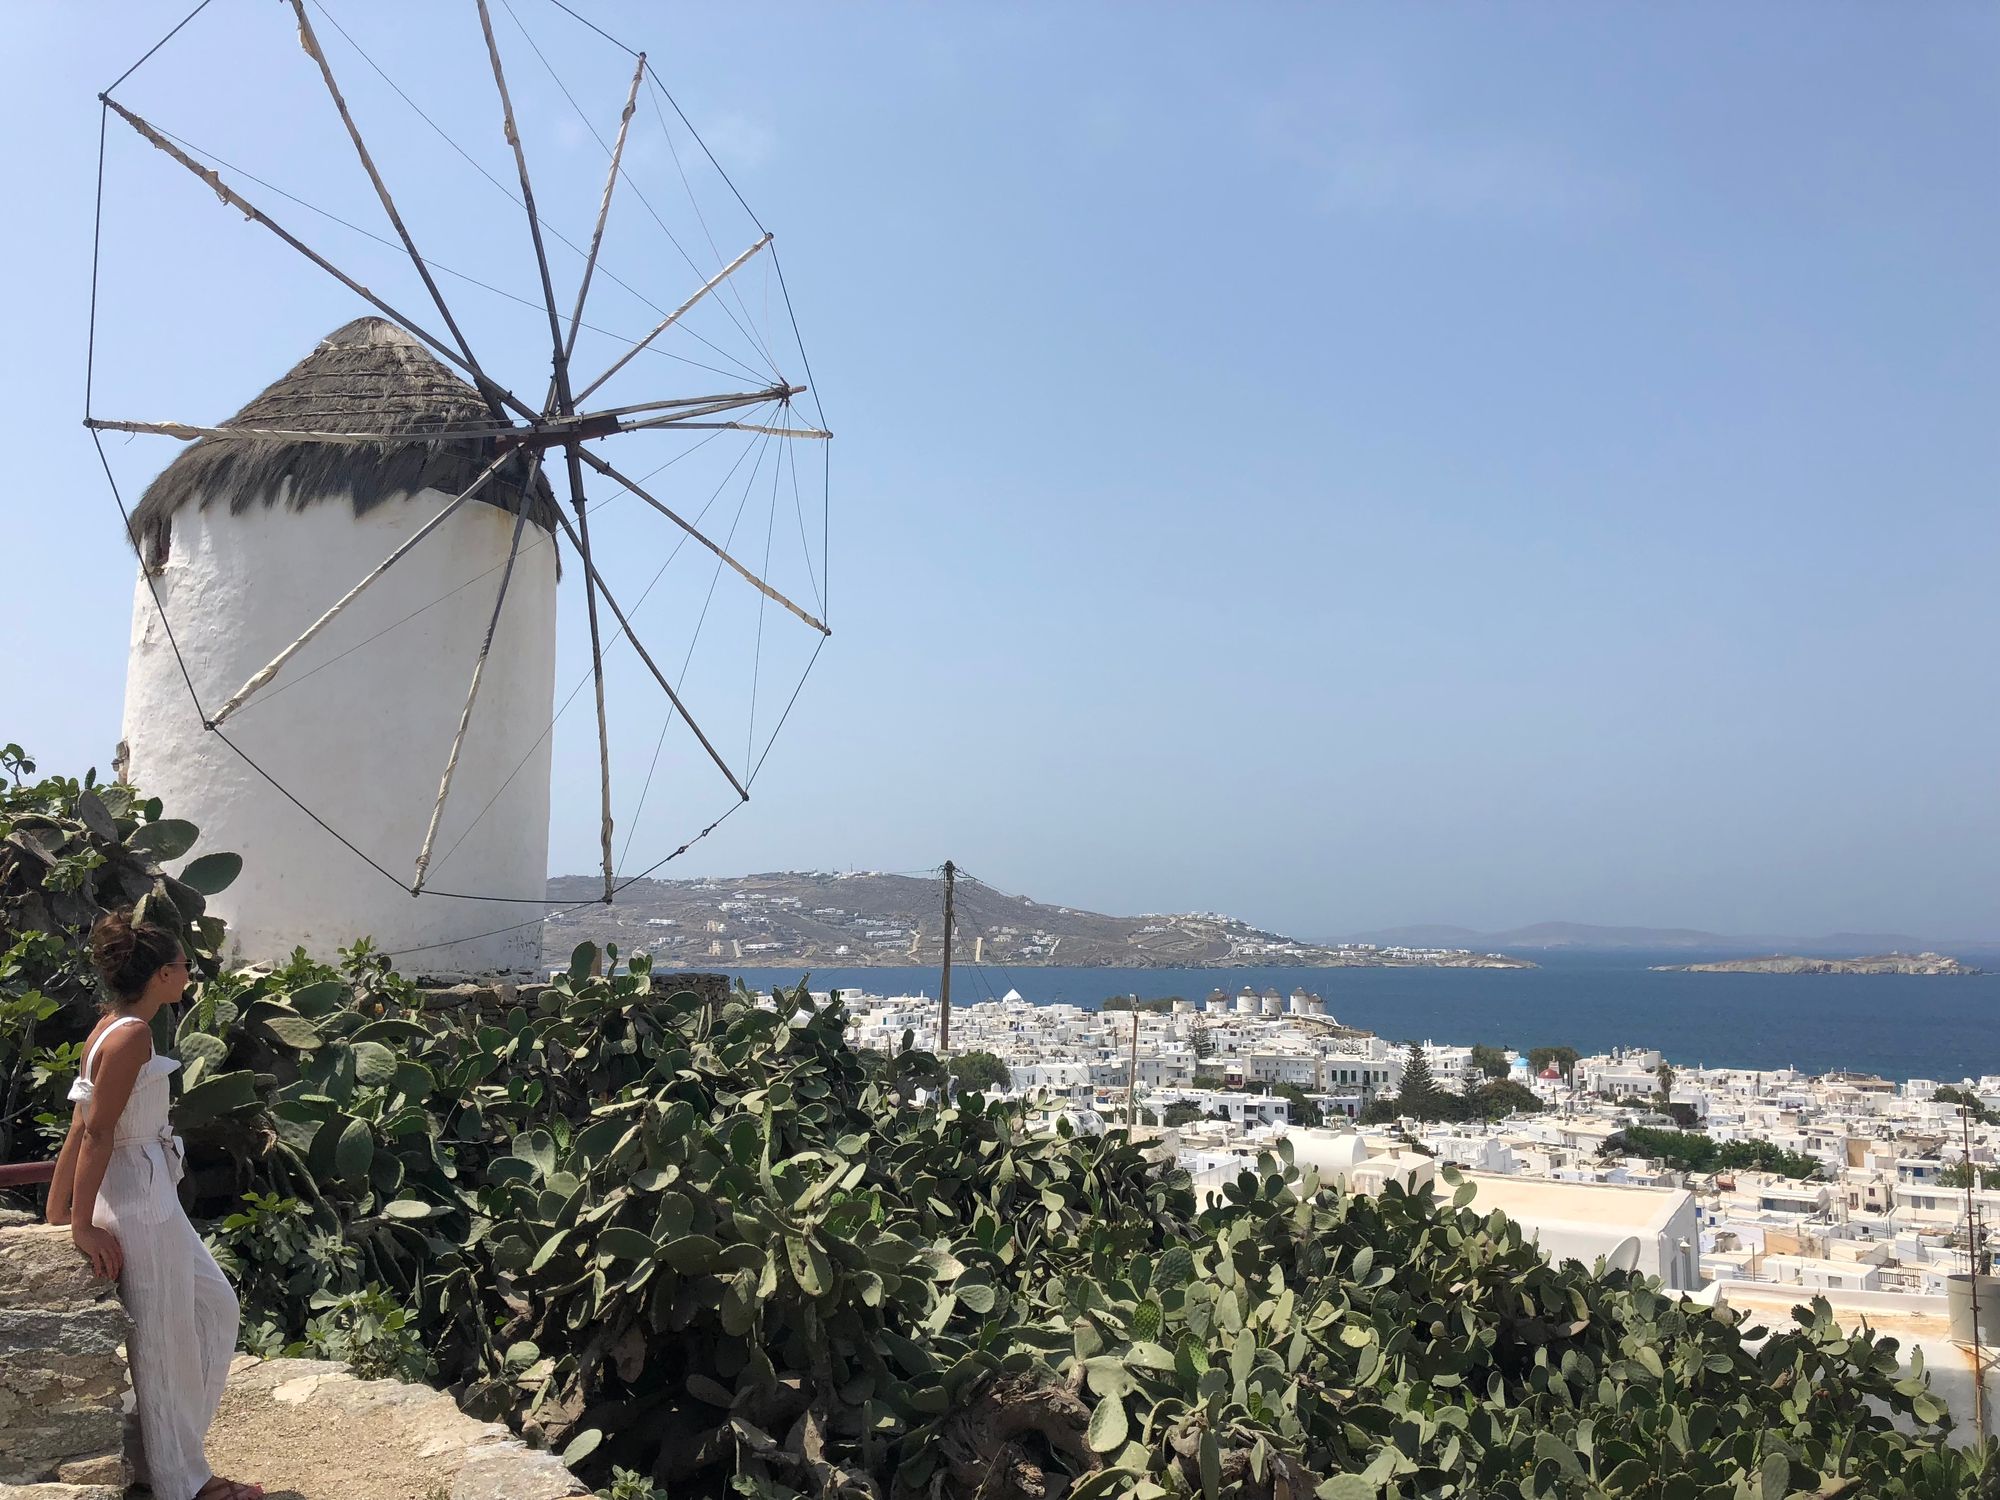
point(310, 1428)
point(305, 1429)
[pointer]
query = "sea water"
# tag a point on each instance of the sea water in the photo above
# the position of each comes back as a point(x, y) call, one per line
point(1897, 1026)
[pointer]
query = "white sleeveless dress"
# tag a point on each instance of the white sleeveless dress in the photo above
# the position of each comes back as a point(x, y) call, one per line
point(184, 1312)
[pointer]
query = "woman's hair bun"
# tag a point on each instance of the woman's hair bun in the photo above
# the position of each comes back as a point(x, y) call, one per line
point(127, 954)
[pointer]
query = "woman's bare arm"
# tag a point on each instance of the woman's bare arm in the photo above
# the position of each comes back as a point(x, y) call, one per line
point(120, 1056)
point(62, 1191)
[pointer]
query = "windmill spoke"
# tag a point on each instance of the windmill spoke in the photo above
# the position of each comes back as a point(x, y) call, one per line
point(679, 425)
point(710, 403)
point(250, 210)
point(664, 509)
point(590, 587)
point(591, 575)
point(472, 692)
point(189, 432)
point(563, 404)
point(310, 42)
point(674, 317)
point(271, 668)
point(604, 207)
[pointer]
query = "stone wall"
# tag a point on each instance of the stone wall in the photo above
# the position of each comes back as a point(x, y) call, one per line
point(305, 1428)
point(62, 1367)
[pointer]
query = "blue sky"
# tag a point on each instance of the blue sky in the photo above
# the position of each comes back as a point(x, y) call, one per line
point(1344, 466)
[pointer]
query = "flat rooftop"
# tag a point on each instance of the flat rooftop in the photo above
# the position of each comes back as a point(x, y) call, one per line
point(1600, 1204)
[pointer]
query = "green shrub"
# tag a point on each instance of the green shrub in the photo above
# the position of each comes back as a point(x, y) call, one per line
point(370, 1332)
point(710, 1249)
point(707, 1248)
point(69, 851)
point(1692, 1151)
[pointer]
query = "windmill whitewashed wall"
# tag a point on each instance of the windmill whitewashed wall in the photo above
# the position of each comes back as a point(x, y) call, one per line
point(248, 544)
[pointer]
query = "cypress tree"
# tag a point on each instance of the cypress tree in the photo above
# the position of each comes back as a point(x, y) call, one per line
point(1419, 1093)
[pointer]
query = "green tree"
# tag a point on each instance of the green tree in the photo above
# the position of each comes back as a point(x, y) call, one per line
point(1204, 1044)
point(1489, 1060)
point(1304, 1111)
point(980, 1070)
point(1182, 1113)
point(1503, 1097)
point(1969, 1101)
point(1419, 1091)
point(1419, 1097)
point(1956, 1175)
point(1692, 1151)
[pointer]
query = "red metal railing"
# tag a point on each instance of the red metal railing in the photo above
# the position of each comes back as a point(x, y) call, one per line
point(16, 1174)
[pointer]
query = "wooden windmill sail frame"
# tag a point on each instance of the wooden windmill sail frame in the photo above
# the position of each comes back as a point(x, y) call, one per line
point(562, 424)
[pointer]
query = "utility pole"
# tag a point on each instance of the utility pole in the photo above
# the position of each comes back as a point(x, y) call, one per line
point(1972, 1280)
point(1132, 1074)
point(944, 990)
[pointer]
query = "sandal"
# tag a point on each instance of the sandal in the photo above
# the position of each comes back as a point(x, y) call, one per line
point(219, 1488)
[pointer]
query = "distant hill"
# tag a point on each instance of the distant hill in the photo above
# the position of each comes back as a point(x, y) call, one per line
point(828, 920)
point(1561, 935)
point(1791, 963)
point(1543, 936)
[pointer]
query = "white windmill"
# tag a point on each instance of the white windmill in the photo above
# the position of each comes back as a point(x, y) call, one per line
point(343, 648)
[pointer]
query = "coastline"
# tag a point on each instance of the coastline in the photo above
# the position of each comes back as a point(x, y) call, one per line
point(1906, 965)
point(1897, 1026)
point(1489, 962)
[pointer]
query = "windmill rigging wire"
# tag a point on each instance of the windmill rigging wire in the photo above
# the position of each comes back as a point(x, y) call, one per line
point(541, 539)
point(715, 577)
point(709, 234)
point(96, 241)
point(593, 26)
point(633, 52)
point(740, 372)
point(591, 126)
point(819, 412)
point(512, 197)
point(615, 638)
point(813, 661)
point(574, 906)
point(153, 585)
point(805, 547)
point(757, 656)
point(90, 368)
point(157, 46)
point(704, 146)
point(777, 264)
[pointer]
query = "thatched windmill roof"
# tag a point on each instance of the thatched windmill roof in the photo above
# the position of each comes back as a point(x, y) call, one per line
point(368, 376)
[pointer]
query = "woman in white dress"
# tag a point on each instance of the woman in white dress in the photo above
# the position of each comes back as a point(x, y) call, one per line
point(115, 1186)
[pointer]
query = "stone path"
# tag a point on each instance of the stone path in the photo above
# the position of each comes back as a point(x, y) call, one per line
point(308, 1430)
